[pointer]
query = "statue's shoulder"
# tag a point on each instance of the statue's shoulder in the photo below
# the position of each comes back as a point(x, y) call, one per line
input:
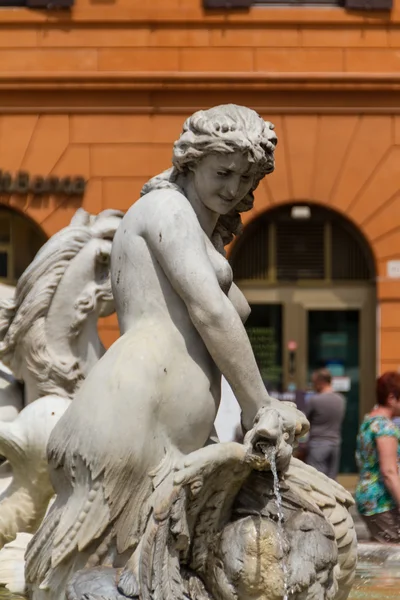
point(159, 205)
point(168, 197)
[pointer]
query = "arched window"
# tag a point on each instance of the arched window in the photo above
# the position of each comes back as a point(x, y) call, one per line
point(309, 277)
point(302, 243)
point(20, 239)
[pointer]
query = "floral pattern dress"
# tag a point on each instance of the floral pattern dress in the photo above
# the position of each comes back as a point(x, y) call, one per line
point(372, 497)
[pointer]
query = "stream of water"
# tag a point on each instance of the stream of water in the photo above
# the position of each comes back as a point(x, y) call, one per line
point(270, 454)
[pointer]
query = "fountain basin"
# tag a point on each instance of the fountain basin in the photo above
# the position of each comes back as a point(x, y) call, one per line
point(378, 574)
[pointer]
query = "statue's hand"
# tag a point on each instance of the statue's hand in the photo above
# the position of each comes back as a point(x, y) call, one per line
point(276, 427)
point(290, 412)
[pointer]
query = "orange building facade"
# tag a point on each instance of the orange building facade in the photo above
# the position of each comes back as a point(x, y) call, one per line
point(101, 92)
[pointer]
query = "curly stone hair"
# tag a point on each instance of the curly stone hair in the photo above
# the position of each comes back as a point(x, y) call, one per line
point(222, 129)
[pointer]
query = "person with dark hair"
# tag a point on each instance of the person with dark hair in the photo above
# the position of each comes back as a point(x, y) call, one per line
point(325, 411)
point(378, 460)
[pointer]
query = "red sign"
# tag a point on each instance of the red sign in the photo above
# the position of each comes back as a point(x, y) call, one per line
point(292, 345)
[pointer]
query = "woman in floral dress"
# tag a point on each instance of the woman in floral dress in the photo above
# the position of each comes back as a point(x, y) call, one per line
point(378, 459)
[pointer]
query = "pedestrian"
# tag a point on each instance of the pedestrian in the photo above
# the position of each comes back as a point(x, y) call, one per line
point(325, 411)
point(378, 460)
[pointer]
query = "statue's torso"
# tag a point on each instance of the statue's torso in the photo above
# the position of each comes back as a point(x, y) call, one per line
point(159, 374)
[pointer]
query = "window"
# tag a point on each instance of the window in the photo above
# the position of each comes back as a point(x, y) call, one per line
point(301, 2)
point(365, 5)
point(39, 4)
point(277, 249)
point(20, 240)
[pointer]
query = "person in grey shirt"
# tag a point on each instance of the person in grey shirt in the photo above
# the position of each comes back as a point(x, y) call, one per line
point(325, 410)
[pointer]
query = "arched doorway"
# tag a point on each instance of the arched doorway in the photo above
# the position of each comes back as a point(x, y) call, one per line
point(20, 239)
point(309, 276)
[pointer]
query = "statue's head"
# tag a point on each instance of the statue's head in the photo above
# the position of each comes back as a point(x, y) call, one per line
point(224, 152)
point(226, 130)
point(75, 263)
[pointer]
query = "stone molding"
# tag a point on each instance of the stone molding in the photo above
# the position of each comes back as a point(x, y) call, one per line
point(154, 14)
point(189, 81)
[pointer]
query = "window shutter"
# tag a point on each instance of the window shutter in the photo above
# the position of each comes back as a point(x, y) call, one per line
point(348, 256)
point(227, 4)
point(368, 4)
point(300, 252)
point(49, 4)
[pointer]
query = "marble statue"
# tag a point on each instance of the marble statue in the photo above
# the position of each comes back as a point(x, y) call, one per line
point(216, 531)
point(48, 332)
point(146, 506)
point(11, 404)
point(12, 564)
point(23, 442)
point(11, 390)
point(11, 395)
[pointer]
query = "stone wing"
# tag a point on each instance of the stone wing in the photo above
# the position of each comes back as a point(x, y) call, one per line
point(69, 526)
point(334, 501)
point(188, 509)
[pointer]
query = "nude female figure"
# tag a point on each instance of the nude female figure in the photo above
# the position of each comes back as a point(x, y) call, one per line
point(154, 395)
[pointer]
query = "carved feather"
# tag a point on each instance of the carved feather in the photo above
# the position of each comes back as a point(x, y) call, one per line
point(322, 490)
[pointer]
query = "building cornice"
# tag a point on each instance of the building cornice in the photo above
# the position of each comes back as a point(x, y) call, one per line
point(205, 81)
point(155, 16)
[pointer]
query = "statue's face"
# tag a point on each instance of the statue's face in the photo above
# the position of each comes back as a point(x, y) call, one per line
point(221, 181)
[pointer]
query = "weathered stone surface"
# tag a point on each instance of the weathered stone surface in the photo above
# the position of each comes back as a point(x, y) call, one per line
point(140, 490)
point(48, 332)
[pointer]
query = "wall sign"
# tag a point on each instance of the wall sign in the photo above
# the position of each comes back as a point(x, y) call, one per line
point(23, 183)
point(393, 269)
point(341, 384)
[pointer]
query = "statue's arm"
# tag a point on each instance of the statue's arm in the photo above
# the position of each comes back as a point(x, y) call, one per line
point(177, 241)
